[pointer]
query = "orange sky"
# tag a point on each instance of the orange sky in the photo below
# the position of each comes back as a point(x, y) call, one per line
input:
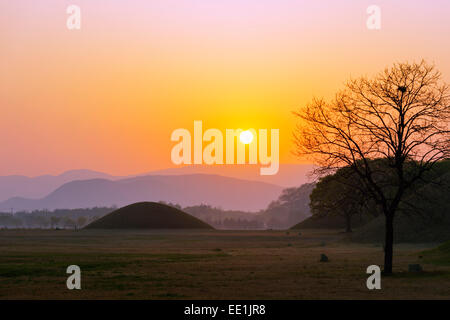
point(108, 96)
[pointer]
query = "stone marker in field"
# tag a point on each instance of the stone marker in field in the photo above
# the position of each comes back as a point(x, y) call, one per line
point(415, 268)
point(323, 258)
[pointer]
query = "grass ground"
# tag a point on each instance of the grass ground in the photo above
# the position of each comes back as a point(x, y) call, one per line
point(208, 265)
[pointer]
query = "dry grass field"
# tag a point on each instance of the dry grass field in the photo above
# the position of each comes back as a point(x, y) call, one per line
point(207, 265)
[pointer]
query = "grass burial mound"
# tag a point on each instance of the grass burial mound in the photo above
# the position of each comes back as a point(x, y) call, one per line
point(439, 255)
point(148, 215)
point(407, 229)
point(329, 222)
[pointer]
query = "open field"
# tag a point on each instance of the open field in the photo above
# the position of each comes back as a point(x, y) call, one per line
point(207, 265)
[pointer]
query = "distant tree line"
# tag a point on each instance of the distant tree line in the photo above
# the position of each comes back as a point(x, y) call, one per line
point(56, 219)
point(290, 208)
point(342, 194)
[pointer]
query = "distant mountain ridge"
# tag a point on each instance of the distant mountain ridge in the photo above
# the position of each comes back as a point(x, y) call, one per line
point(186, 190)
point(40, 186)
point(289, 175)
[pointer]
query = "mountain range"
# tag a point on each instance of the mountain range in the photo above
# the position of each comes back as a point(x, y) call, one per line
point(185, 190)
point(245, 188)
point(40, 186)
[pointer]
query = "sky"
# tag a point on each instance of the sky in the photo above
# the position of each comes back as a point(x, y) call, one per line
point(108, 96)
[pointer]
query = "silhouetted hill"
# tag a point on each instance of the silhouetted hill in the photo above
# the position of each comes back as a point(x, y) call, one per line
point(148, 215)
point(425, 216)
point(185, 190)
point(406, 229)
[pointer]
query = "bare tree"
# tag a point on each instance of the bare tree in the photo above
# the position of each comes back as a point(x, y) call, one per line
point(400, 117)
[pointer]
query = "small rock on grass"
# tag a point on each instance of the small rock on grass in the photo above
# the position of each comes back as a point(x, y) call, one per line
point(415, 268)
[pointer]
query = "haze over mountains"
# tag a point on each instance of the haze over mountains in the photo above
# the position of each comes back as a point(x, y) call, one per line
point(289, 175)
point(186, 190)
point(87, 188)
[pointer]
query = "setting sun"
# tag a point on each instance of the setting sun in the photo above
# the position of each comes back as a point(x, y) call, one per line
point(246, 137)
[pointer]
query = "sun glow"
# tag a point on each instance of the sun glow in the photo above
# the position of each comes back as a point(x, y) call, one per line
point(246, 137)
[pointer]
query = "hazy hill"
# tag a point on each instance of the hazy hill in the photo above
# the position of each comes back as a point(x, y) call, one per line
point(288, 175)
point(424, 216)
point(148, 215)
point(185, 190)
point(40, 186)
point(290, 208)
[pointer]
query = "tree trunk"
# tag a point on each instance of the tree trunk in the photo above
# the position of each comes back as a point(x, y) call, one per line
point(389, 243)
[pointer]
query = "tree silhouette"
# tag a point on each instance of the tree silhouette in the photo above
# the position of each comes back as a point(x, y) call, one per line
point(336, 195)
point(400, 116)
